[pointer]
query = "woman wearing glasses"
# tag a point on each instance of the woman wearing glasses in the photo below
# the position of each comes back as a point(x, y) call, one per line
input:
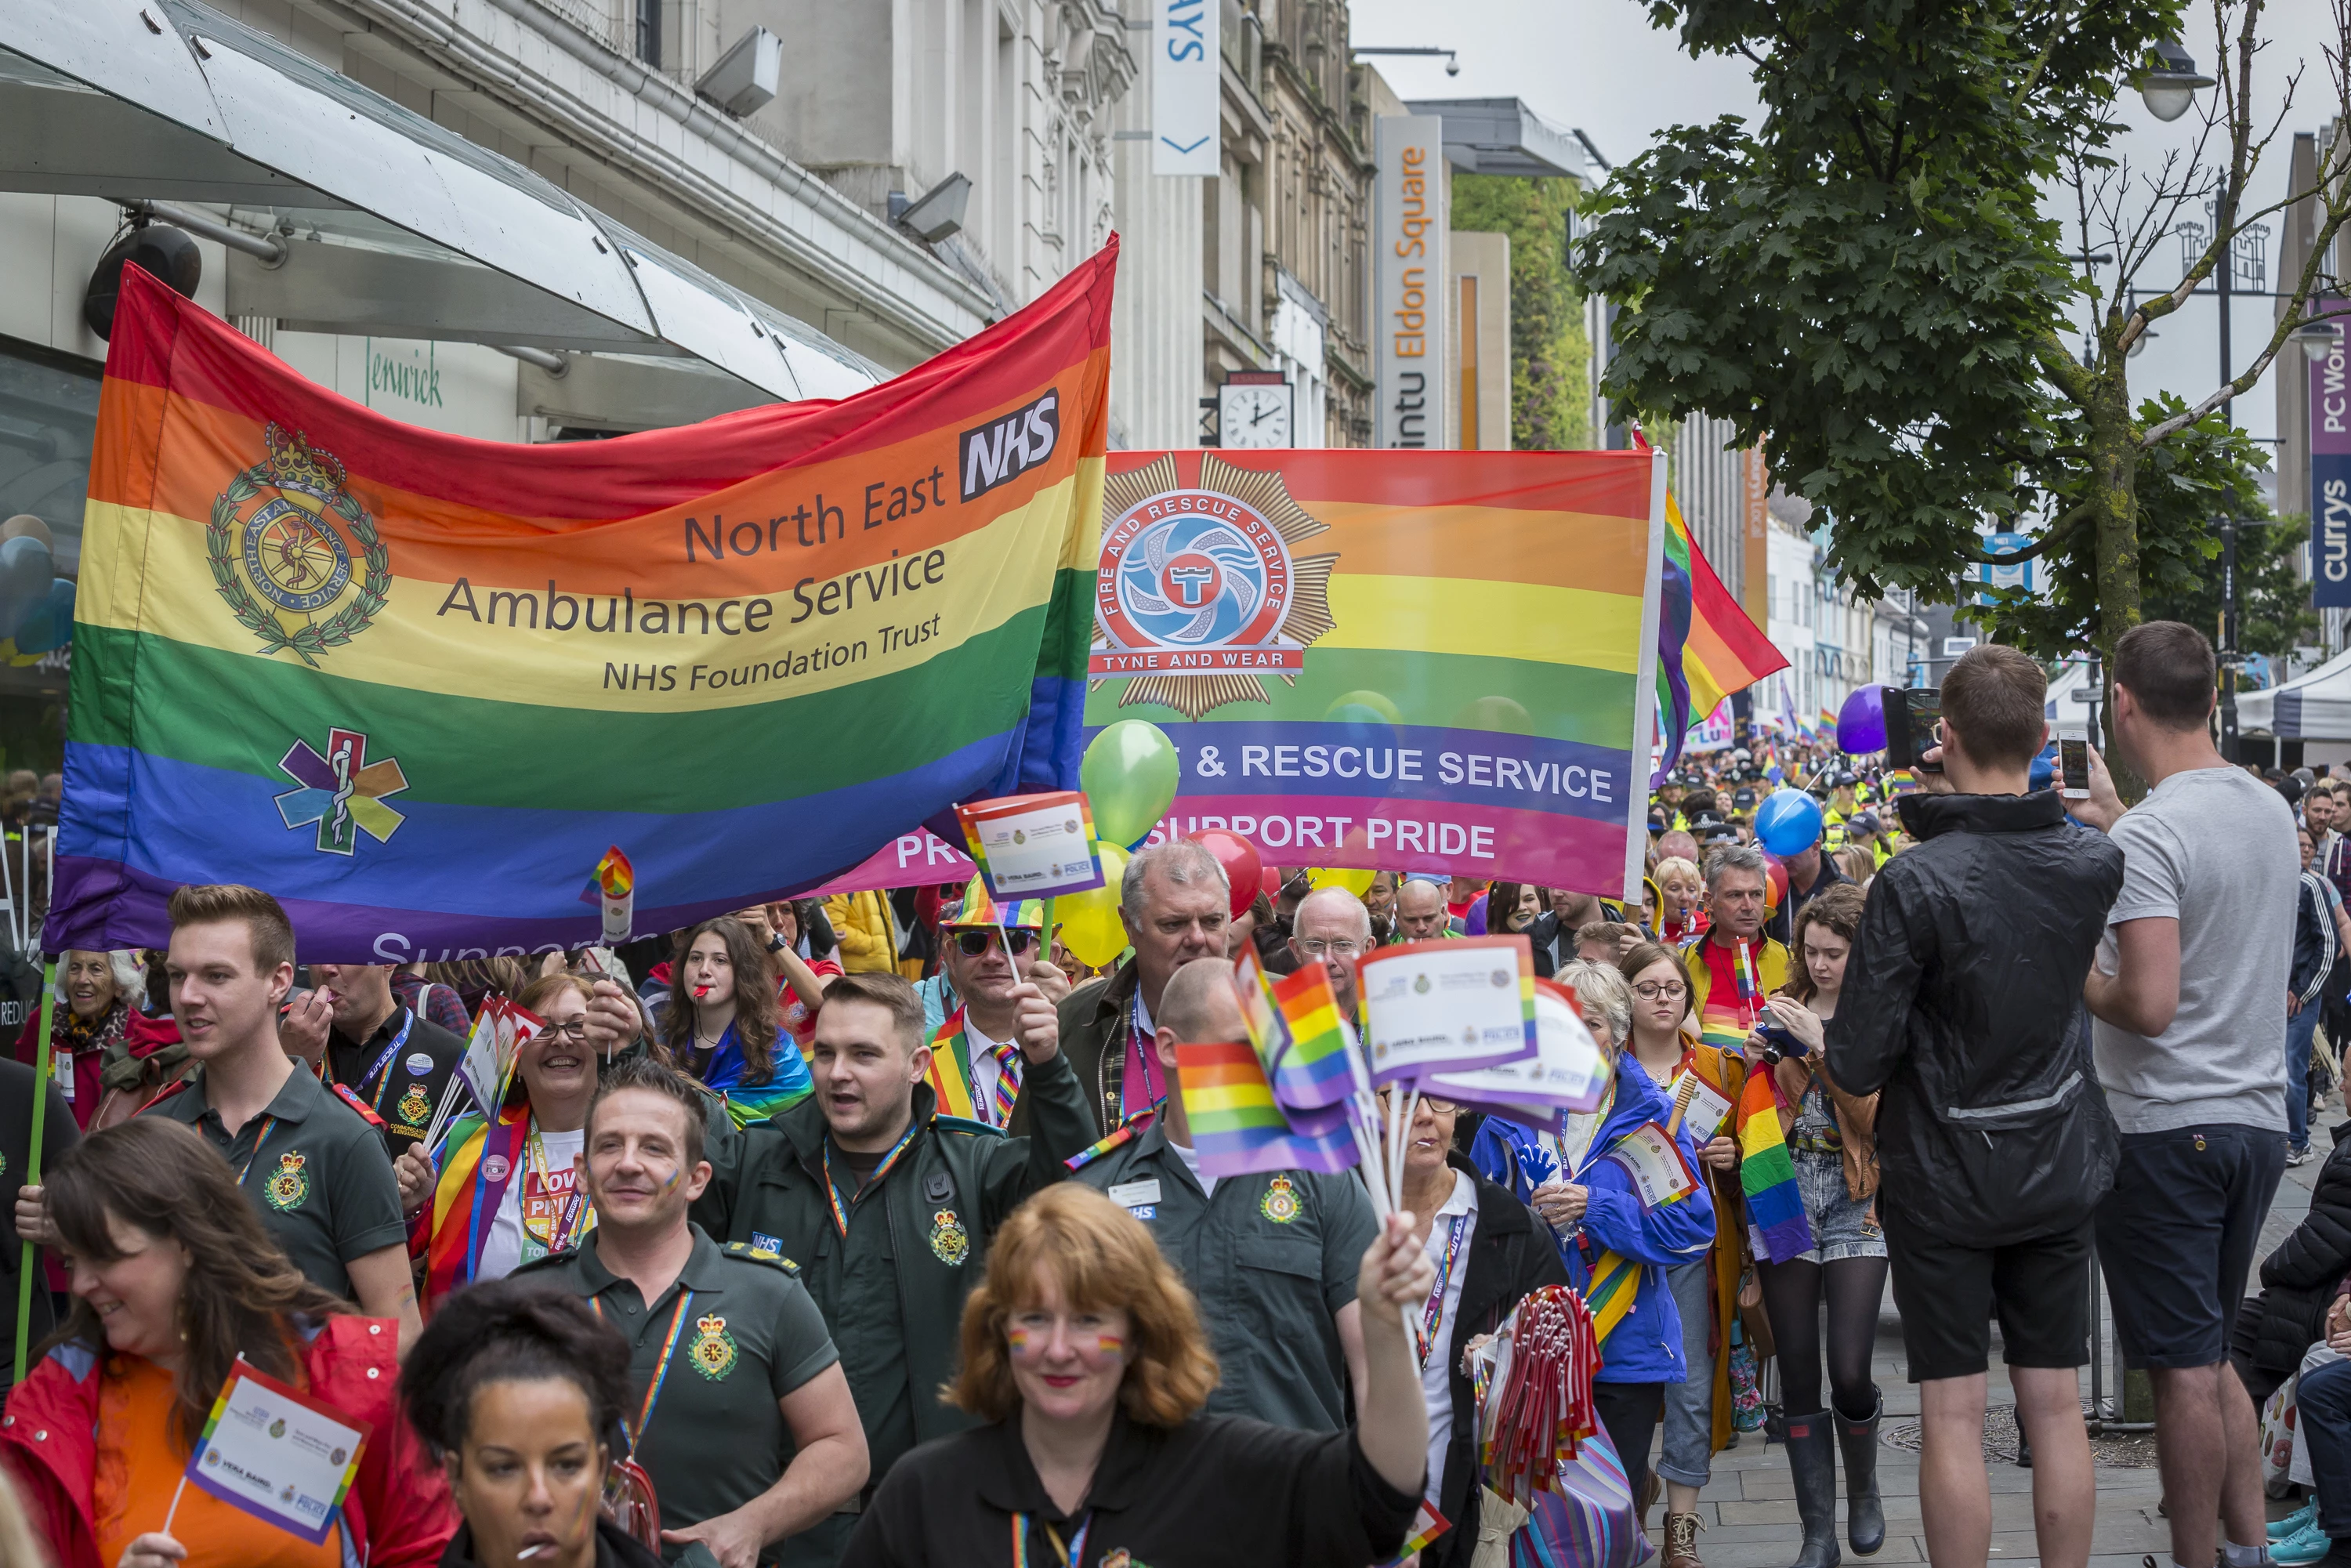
point(507, 1191)
point(1705, 1289)
point(994, 958)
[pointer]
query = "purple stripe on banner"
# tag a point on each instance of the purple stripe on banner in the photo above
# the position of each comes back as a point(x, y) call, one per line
point(1406, 835)
point(522, 867)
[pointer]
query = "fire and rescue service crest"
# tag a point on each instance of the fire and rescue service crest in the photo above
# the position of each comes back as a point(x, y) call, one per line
point(1198, 593)
point(294, 553)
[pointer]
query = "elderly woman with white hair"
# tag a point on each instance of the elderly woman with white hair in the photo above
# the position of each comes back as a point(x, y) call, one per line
point(1617, 1248)
point(112, 1058)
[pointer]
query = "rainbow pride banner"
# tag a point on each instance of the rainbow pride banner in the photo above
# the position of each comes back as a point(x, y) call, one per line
point(414, 683)
point(1404, 659)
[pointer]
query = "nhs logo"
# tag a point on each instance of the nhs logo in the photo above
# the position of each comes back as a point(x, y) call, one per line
point(1000, 452)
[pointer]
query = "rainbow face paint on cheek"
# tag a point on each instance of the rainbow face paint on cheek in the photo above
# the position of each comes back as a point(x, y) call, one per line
point(1018, 1341)
point(1110, 1344)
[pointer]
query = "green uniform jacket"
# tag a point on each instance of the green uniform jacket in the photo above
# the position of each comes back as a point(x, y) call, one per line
point(1094, 1028)
point(943, 1200)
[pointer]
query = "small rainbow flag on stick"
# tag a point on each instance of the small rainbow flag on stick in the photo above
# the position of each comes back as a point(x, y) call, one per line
point(1775, 1206)
point(1320, 1066)
point(1236, 1125)
point(1426, 1526)
point(616, 882)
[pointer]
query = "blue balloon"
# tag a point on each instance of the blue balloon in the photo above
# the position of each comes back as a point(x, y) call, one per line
point(48, 624)
point(1788, 823)
point(1861, 723)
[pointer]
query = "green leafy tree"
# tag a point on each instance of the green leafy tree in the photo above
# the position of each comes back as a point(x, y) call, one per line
point(1866, 284)
point(1550, 356)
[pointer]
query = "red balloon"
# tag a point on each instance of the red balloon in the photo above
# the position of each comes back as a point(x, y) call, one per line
point(1270, 879)
point(1243, 874)
point(1775, 882)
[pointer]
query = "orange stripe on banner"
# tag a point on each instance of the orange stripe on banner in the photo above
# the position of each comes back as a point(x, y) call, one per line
point(1598, 553)
point(202, 447)
point(1615, 484)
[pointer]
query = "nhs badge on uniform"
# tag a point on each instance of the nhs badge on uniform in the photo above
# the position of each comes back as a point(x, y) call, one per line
point(1139, 1198)
point(766, 1243)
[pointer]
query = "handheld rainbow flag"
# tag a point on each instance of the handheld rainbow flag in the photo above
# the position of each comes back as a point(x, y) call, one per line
point(616, 882)
point(300, 622)
point(1775, 1206)
point(1706, 646)
point(1237, 1127)
point(1320, 1065)
point(1426, 1526)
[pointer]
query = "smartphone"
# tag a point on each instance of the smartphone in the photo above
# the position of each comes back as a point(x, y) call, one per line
point(1913, 724)
point(2074, 769)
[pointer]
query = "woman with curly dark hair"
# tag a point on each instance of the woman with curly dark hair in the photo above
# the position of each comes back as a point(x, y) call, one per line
point(520, 1391)
point(1084, 1353)
point(723, 1022)
point(173, 1280)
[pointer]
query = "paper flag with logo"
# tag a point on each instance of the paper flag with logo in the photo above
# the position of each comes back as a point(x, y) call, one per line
point(1034, 846)
point(1448, 1007)
point(303, 624)
point(1567, 1072)
point(281, 1456)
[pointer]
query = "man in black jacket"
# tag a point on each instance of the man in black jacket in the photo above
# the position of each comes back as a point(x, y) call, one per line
point(2298, 1282)
point(1961, 1003)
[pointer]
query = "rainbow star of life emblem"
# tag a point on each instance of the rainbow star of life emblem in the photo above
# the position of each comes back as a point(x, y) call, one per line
point(342, 791)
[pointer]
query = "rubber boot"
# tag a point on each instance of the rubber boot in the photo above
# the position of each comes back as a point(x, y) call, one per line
point(1864, 1517)
point(1812, 1460)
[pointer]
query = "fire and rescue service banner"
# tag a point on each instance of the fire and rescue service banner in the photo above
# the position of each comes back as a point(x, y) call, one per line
point(1417, 661)
point(416, 685)
point(1400, 660)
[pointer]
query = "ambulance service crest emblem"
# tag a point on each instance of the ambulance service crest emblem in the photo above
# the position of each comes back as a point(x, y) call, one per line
point(290, 1184)
point(1279, 1203)
point(1199, 592)
point(949, 1242)
point(294, 554)
point(713, 1350)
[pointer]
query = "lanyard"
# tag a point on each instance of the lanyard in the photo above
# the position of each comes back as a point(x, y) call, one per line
point(660, 1367)
point(564, 1233)
point(1073, 1555)
point(1141, 1066)
point(383, 1063)
point(267, 1123)
point(833, 1192)
point(1432, 1314)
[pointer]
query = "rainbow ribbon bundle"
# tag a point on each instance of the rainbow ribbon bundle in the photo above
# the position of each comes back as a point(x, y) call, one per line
point(1533, 1384)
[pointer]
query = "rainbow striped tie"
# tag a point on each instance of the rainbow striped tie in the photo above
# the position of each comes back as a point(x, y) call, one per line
point(1008, 1061)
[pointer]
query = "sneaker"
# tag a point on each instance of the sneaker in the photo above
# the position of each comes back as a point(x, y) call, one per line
point(2291, 1524)
point(2302, 1156)
point(2304, 1547)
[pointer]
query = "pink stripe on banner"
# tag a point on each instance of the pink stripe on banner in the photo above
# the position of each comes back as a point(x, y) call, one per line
point(1486, 842)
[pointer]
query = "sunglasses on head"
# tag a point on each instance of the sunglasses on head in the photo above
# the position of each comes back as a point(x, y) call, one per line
point(975, 943)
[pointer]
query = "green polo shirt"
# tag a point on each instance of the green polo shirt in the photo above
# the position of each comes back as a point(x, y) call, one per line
point(401, 1070)
point(1272, 1258)
point(311, 1167)
point(747, 1335)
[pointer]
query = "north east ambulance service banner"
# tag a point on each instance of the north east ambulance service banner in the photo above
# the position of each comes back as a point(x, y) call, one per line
point(1417, 660)
point(416, 685)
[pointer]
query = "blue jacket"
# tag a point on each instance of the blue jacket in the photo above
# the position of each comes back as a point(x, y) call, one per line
point(1646, 1346)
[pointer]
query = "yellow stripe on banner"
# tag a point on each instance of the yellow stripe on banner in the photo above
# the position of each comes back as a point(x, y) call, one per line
point(149, 573)
point(1498, 620)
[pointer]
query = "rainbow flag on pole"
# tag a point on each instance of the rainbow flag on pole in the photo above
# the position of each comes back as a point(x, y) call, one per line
point(413, 684)
point(1321, 1065)
point(1236, 1125)
point(1706, 647)
point(1767, 1174)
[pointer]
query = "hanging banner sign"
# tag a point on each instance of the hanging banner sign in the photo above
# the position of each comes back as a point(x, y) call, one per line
point(2330, 468)
point(1185, 86)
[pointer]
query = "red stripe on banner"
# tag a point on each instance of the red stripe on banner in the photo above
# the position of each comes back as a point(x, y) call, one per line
point(163, 340)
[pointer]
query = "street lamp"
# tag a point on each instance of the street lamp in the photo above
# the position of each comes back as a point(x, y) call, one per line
point(2315, 338)
point(2174, 81)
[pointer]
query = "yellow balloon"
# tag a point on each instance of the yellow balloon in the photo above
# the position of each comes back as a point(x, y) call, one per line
point(1090, 927)
point(1355, 881)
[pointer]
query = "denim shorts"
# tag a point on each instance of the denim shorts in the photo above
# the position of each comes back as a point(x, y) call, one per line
point(1841, 1224)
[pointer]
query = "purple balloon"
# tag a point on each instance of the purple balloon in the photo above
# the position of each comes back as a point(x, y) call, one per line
point(1861, 723)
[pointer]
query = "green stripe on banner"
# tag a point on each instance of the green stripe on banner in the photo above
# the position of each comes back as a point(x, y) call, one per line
point(1562, 702)
point(469, 751)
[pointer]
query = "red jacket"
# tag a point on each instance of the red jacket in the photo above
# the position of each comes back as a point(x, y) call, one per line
point(397, 1515)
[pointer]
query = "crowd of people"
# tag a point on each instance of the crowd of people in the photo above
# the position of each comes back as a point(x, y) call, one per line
point(872, 1230)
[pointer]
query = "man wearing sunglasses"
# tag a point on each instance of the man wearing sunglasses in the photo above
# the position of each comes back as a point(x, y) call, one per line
point(995, 959)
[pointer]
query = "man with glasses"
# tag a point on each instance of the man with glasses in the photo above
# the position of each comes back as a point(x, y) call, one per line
point(1333, 929)
point(1267, 1255)
point(995, 959)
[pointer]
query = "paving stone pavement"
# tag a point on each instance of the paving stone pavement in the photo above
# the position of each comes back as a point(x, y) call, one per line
point(1749, 1509)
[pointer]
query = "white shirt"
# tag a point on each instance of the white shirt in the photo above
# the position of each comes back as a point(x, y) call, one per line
point(985, 1071)
point(502, 1254)
point(1191, 1158)
point(1436, 1377)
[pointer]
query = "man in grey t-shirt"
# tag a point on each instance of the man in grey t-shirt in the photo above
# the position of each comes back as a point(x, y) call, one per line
point(2190, 997)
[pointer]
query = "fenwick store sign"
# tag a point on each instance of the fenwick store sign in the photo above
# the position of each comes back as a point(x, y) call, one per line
point(2330, 469)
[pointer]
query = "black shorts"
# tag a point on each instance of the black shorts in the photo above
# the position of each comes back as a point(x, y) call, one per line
point(1948, 1294)
point(2176, 1238)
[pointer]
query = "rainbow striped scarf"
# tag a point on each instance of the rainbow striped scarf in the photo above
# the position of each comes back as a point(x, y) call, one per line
point(950, 1068)
point(455, 1227)
point(1767, 1174)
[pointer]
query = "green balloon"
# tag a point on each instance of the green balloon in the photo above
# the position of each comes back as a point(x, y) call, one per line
point(1350, 708)
point(1129, 774)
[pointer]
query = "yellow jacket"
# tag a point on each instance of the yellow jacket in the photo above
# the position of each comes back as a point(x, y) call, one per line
point(868, 940)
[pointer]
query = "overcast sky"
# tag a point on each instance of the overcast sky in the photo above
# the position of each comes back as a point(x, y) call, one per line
point(1597, 65)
